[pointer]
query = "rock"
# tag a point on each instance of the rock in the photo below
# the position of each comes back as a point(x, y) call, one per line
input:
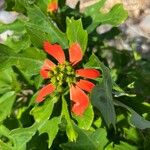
point(145, 25)
point(7, 17)
point(2, 2)
point(103, 28)
point(72, 3)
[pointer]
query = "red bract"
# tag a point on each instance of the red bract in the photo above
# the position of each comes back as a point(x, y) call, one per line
point(63, 73)
point(52, 6)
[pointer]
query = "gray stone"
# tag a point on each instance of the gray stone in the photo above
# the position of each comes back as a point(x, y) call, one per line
point(7, 17)
point(104, 28)
point(145, 25)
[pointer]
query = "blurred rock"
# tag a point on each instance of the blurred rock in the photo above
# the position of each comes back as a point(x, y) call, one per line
point(145, 25)
point(7, 17)
point(86, 3)
point(132, 6)
point(2, 2)
point(71, 3)
point(104, 28)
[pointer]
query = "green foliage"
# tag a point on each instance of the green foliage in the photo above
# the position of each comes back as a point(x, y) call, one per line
point(51, 128)
point(69, 128)
point(118, 116)
point(114, 17)
point(25, 60)
point(76, 33)
point(42, 113)
point(87, 141)
point(21, 136)
point(6, 101)
point(16, 26)
point(102, 94)
point(18, 42)
point(8, 81)
point(136, 119)
point(85, 121)
point(41, 28)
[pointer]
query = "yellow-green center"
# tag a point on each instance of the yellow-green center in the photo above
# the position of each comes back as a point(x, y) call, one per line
point(62, 74)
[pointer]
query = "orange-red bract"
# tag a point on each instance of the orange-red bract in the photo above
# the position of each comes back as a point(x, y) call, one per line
point(77, 89)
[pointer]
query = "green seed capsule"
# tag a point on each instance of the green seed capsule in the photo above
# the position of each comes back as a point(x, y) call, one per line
point(53, 80)
point(59, 89)
point(69, 68)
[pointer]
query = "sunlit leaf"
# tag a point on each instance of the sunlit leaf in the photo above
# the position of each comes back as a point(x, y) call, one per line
point(4, 146)
point(41, 23)
point(69, 129)
point(76, 33)
point(51, 128)
point(42, 113)
point(6, 103)
point(88, 141)
point(30, 60)
point(86, 120)
point(115, 16)
point(22, 135)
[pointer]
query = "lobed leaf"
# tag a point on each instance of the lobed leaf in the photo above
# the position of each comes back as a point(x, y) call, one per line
point(88, 141)
point(85, 121)
point(69, 129)
point(51, 128)
point(6, 103)
point(43, 113)
point(115, 16)
point(76, 33)
point(29, 61)
point(41, 23)
point(101, 95)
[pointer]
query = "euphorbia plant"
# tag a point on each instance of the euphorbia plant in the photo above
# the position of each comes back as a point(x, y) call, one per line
point(65, 73)
point(75, 103)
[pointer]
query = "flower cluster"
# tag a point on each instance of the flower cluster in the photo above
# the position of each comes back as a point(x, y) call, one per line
point(64, 74)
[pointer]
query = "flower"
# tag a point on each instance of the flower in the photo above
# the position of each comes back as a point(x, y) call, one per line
point(65, 74)
point(52, 6)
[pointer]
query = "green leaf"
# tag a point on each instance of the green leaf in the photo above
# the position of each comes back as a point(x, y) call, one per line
point(115, 16)
point(18, 42)
point(37, 35)
point(93, 62)
point(125, 146)
point(21, 136)
point(69, 129)
point(136, 119)
point(4, 146)
point(16, 26)
point(76, 33)
point(43, 5)
point(20, 5)
point(29, 61)
point(42, 24)
point(6, 103)
point(133, 134)
point(4, 131)
point(6, 81)
point(42, 113)
point(120, 92)
point(86, 120)
point(51, 128)
point(101, 96)
point(88, 141)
